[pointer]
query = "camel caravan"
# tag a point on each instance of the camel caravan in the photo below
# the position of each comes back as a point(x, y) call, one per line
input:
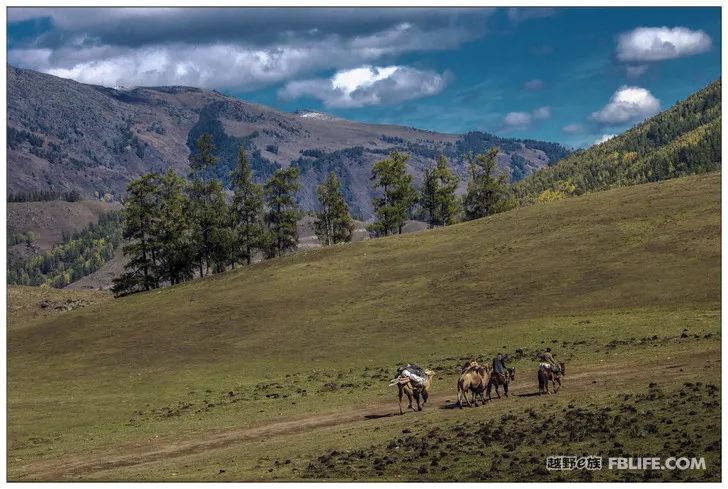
point(475, 380)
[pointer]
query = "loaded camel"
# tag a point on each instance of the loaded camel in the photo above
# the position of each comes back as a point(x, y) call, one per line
point(474, 379)
point(413, 386)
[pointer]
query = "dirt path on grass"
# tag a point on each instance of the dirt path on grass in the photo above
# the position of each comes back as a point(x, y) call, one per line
point(149, 451)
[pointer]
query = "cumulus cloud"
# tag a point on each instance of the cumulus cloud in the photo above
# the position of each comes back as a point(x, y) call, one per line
point(533, 85)
point(628, 104)
point(573, 128)
point(229, 48)
point(542, 113)
point(207, 66)
point(216, 65)
point(517, 119)
point(604, 138)
point(522, 120)
point(659, 43)
point(367, 86)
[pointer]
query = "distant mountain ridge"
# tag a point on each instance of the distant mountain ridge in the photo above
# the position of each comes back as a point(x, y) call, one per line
point(64, 135)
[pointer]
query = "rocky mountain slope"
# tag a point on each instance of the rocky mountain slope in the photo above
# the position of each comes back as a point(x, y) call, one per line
point(34, 227)
point(64, 135)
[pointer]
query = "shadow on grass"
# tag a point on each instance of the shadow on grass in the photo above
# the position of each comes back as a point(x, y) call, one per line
point(379, 416)
point(454, 405)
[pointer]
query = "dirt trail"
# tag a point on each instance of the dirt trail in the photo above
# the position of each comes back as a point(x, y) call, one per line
point(83, 465)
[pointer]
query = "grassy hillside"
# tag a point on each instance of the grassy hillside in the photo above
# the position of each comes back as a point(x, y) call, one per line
point(28, 304)
point(230, 376)
point(685, 139)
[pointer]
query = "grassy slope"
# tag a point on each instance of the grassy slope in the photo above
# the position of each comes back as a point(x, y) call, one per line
point(28, 304)
point(617, 265)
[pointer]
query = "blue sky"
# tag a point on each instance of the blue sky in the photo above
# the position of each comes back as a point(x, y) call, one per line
point(569, 75)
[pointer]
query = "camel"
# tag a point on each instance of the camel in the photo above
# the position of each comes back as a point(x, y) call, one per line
point(499, 379)
point(473, 379)
point(406, 387)
point(546, 374)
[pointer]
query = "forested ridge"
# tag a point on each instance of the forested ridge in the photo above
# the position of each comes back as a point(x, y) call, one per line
point(80, 254)
point(683, 140)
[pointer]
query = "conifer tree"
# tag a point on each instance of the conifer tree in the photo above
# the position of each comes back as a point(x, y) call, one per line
point(172, 230)
point(247, 212)
point(333, 224)
point(209, 210)
point(140, 210)
point(438, 195)
point(399, 195)
point(222, 238)
point(283, 212)
point(488, 193)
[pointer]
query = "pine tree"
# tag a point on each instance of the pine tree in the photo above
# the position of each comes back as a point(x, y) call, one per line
point(222, 238)
point(399, 195)
point(428, 197)
point(333, 224)
point(438, 194)
point(487, 193)
point(140, 210)
point(247, 211)
point(172, 230)
point(209, 209)
point(283, 212)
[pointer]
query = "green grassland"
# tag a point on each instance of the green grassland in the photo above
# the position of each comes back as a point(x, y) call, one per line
point(28, 304)
point(261, 373)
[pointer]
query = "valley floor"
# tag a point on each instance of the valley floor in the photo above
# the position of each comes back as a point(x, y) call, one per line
point(371, 441)
point(280, 371)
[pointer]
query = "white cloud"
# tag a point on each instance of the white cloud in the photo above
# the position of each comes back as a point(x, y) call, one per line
point(573, 129)
point(542, 113)
point(628, 104)
point(367, 86)
point(635, 71)
point(517, 119)
point(533, 85)
point(604, 138)
point(659, 43)
point(220, 64)
point(206, 66)
point(366, 76)
point(521, 120)
point(224, 50)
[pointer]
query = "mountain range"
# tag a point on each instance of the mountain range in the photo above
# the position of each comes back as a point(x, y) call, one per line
point(64, 135)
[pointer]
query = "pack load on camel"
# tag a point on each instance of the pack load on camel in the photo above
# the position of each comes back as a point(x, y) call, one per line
point(470, 366)
point(410, 373)
point(414, 382)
